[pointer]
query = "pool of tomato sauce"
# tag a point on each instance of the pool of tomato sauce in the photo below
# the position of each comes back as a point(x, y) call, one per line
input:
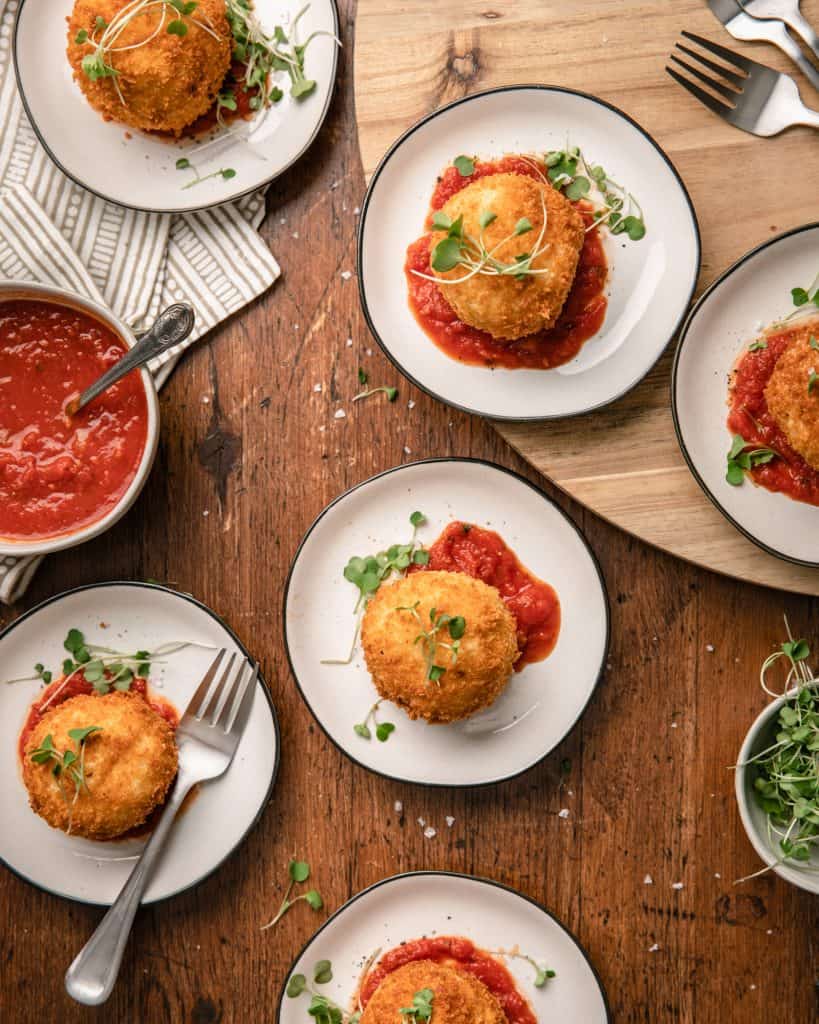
point(486, 556)
point(749, 416)
point(463, 954)
point(580, 319)
point(77, 686)
point(60, 473)
point(234, 82)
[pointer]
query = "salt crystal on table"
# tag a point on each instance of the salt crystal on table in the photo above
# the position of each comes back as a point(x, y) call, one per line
point(709, 648)
point(349, 343)
point(655, 948)
point(340, 414)
point(407, 451)
point(410, 404)
point(676, 885)
point(648, 880)
point(295, 234)
point(346, 275)
point(317, 387)
point(357, 210)
point(398, 807)
point(450, 821)
point(430, 833)
point(564, 813)
point(421, 822)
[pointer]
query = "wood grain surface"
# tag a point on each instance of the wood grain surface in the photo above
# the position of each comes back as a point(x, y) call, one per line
point(414, 57)
point(246, 438)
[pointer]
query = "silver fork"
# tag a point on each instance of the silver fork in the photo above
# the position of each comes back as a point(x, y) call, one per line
point(789, 12)
point(746, 28)
point(207, 736)
point(756, 98)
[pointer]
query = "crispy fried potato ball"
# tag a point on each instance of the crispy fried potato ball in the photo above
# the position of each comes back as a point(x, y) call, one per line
point(794, 408)
point(398, 664)
point(501, 305)
point(129, 765)
point(457, 997)
point(168, 82)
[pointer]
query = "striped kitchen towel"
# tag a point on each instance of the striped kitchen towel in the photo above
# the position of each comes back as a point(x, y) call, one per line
point(54, 232)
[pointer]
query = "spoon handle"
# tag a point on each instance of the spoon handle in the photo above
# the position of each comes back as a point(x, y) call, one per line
point(171, 326)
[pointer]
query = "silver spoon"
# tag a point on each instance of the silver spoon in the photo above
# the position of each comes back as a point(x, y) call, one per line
point(172, 325)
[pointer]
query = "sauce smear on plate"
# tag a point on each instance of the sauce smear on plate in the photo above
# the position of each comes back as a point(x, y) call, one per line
point(581, 317)
point(60, 473)
point(460, 953)
point(484, 555)
point(750, 417)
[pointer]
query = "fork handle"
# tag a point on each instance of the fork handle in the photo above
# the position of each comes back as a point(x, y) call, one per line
point(810, 117)
point(785, 41)
point(803, 28)
point(92, 975)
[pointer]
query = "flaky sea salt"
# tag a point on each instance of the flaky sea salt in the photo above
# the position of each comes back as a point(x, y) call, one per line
point(655, 948)
point(563, 813)
point(317, 387)
point(648, 880)
point(398, 807)
point(430, 833)
point(346, 275)
point(450, 821)
point(339, 414)
point(676, 885)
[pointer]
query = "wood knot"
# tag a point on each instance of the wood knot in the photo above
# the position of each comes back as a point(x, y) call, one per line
point(465, 67)
point(218, 454)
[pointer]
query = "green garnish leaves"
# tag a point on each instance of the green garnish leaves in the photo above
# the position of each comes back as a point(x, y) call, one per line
point(486, 218)
point(362, 376)
point(758, 346)
point(417, 519)
point(384, 730)
point(800, 296)
point(523, 226)
point(100, 22)
point(447, 254)
point(813, 343)
point(182, 164)
point(429, 638)
point(69, 764)
point(577, 188)
point(390, 392)
point(421, 1009)
point(362, 730)
point(742, 457)
point(323, 972)
point(81, 735)
point(813, 376)
point(441, 222)
point(42, 673)
point(227, 100)
point(296, 985)
point(177, 28)
point(803, 296)
point(81, 37)
point(465, 165)
point(298, 872)
point(542, 975)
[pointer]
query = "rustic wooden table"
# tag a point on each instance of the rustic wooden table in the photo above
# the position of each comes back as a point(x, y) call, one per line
point(247, 439)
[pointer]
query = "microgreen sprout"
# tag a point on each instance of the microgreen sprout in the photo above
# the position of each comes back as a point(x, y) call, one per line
point(383, 730)
point(321, 1008)
point(786, 782)
point(465, 165)
point(758, 346)
point(103, 667)
point(391, 393)
point(742, 457)
point(421, 1009)
point(804, 296)
point(453, 625)
point(542, 974)
point(298, 872)
point(184, 164)
point(69, 764)
point(368, 573)
point(570, 172)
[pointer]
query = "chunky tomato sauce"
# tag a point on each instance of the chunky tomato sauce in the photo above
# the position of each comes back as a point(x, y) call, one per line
point(57, 692)
point(60, 473)
point(462, 954)
point(581, 317)
point(749, 416)
point(484, 555)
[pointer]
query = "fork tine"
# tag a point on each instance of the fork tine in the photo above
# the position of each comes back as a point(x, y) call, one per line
point(723, 90)
point(196, 701)
point(729, 56)
point(704, 97)
point(737, 80)
point(240, 709)
point(219, 695)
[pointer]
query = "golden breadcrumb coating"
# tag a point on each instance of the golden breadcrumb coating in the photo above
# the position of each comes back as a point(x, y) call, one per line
point(168, 82)
point(794, 408)
point(488, 648)
point(503, 306)
point(457, 997)
point(129, 765)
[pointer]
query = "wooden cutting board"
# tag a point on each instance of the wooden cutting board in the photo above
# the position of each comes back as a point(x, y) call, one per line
point(622, 462)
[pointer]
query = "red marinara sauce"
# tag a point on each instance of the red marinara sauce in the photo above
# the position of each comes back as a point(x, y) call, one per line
point(749, 416)
point(60, 473)
point(485, 555)
point(465, 956)
point(580, 319)
point(58, 691)
point(234, 84)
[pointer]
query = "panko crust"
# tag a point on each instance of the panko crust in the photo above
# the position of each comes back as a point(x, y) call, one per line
point(397, 664)
point(168, 83)
point(458, 997)
point(503, 306)
point(129, 765)
point(795, 409)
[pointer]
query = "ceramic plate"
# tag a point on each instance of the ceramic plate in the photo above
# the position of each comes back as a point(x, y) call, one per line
point(541, 703)
point(441, 903)
point(749, 296)
point(134, 169)
point(138, 616)
point(650, 282)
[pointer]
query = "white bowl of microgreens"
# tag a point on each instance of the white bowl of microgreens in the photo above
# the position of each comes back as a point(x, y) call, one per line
point(777, 773)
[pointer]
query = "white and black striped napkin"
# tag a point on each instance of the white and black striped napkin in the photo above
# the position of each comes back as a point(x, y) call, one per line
point(54, 232)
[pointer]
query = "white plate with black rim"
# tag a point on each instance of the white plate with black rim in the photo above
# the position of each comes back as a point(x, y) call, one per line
point(136, 616)
point(138, 170)
point(650, 282)
point(540, 705)
point(751, 295)
point(429, 903)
